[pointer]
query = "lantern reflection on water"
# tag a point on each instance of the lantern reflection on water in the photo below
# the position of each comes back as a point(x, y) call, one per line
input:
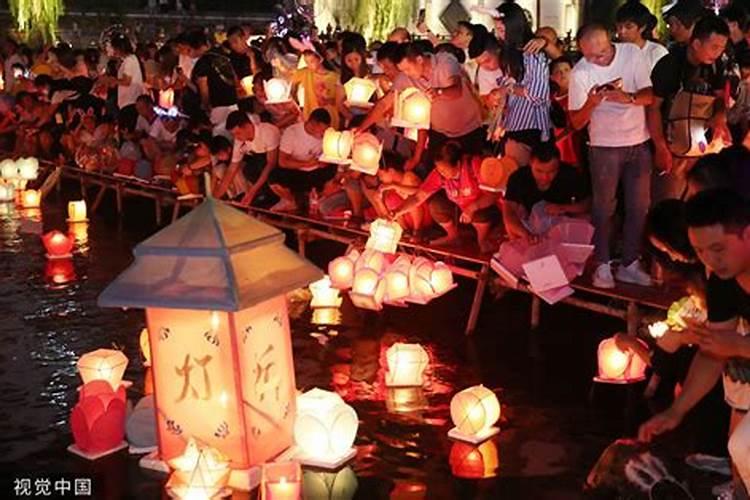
point(617, 366)
point(474, 412)
point(59, 271)
point(326, 316)
point(7, 192)
point(474, 462)
point(323, 485)
point(405, 399)
point(31, 198)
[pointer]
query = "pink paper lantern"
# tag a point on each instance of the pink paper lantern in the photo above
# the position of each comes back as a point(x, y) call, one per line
point(57, 244)
point(98, 420)
point(617, 366)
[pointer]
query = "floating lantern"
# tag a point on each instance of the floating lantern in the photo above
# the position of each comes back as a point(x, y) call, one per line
point(441, 279)
point(474, 462)
point(324, 429)
point(337, 146)
point(323, 485)
point(198, 474)
point(166, 99)
point(281, 481)
point(77, 211)
point(8, 169)
point(420, 281)
point(366, 154)
point(341, 271)
point(411, 110)
point(103, 364)
point(98, 420)
point(214, 286)
point(28, 168)
point(371, 259)
point(145, 347)
point(405, 399)
point(368, 290)
point(619, 367)
point(7, 192)
point(474, 412)
point(658, 329)
point(247, 85)
point(59, 271)
point(384, 236)
point(396, 285)
point(323, 295)
point(277, 91)
point(358, 92)
point(406, 365)
point(31, 198)
point(58, 245)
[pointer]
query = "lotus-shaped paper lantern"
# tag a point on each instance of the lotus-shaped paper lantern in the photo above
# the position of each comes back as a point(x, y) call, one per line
point(28, 168)
point(58, 245)
point(411, 109)
point(617, 366)
point(341, 272)
point(406, 365)
point(359, 91)
point(474, 411)
point(8, 169)
point(98, 419)
point(368, 290)
point(325, 428)
point(277, 91)
point(323, 485)
point(366, 154)
point(103, 364)
point(337, 145)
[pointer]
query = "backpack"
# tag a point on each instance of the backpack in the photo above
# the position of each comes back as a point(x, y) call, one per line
point(689, 113)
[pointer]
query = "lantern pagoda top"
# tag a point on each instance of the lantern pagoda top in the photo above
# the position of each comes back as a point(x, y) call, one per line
point(214, 258)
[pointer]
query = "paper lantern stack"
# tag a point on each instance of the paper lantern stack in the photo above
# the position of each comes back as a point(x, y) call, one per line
point(378, 276)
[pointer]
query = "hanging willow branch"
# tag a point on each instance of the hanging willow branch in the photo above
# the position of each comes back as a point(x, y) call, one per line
point(37, 18)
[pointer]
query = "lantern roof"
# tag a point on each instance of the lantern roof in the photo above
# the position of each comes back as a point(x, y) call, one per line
point(214, 258)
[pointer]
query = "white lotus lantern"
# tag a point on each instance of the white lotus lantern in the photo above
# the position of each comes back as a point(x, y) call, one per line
point(337, 145)
point(366, 154)
point(617, 366)
point(411, 109)
point(28, 168)
point(8, 169)
point(359, 91)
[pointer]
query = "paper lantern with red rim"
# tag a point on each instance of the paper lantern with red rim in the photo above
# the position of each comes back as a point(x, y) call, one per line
point(58, 245)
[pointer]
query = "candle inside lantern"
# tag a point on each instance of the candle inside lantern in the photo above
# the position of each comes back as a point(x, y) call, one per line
point(281, 481)
point(57, 244)
point(277, 90)
point(366, 154)
point(406, 365)
point(103, 364)
point(166, 98)
point(617, 366)
point(31, 198)
point(359, 91)
point(247, 85)
point(77, 211)
point(474, 411)
point(337, 146)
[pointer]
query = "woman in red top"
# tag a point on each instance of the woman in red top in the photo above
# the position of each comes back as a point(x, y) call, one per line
point(457, 175)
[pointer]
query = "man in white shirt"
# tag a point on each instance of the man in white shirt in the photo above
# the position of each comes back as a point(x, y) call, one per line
point(632, 21)
point(300, 170)
point(609, 90)
point(254, 154)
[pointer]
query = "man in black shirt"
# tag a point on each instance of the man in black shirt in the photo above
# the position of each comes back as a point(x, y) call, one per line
point(560, 186)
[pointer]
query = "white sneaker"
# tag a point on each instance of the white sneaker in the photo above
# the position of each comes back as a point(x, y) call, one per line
point(284, 206)
point(603, 277)
point(634, 274)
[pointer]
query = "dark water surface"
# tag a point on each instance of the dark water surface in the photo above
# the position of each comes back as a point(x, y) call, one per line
point(554, 423)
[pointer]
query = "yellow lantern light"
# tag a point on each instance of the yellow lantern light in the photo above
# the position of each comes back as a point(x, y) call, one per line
point(145, 347)
point(441, 279)
point(474, 462)
point(358, 92)
point(77, 211)
point(28, 168)
point(79, 231)
point(384, 236)
point(31, 198)
point(199, 473)
point(166, 99)
point(366, 154)
point(7, 192)
point(368, 290)
point(406, 365)
point(8, 169)
point(337, 146)
point(371, 259)
point(420, 284)
point(103, 364)
point(341, 271)
point(247, 85)
point(474, 411)
point(281, 481)
point(329, 316)
point(618, 367)
point(324, 429)
point(411, 110)
point(396, 285)
point(324, 485)
point(277, 91)
point(405, 399)
point(323, 295)
point(658, 329)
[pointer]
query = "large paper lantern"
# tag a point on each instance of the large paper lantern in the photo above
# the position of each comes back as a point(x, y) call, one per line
point(470, 461)
point(31, 198)
point(325, 429)
point(324, 485)
point(337, 145)
point(324, 295)
point(384, 236)
point(198, 473)
point(619, 367)
point(406, 365)
point(214, 286)
point(28, 168)
point(58, 245)
point(366, 154)
point(103, 364)
point(277, 91)
point(77, 211)
point(166, 99)
point(411, 110)
point(8, 169)
point(341, 272)
point(7, 192)
point(145, 347)
point(358, 92)
point(474, 412)
point(247, 85)
point(98, 420)
point(281, 481)
point(368, 290)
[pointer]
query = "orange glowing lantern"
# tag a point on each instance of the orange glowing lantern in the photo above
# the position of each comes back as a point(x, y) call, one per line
point(247, 85)
point(324, 429)
point(337, 146)
point(405, 399)
point(28, 168)
point(166, 99)
point(411, 110)
point(59, 271)
point(31, 198)
point(7, 192)
point(358, 92)
point(371, 259)
point(145, 347)
point(214, 286)
point(474, 462)
point(341, 271)
point(77, 211)
point(323, 295)
point(366, 154)
point(103, 364)
point(58, 245)
point(281, 481)
point(619, 367)
point(384, 236)
point(98, 420)
point(199, 473)
point(368, 290)
point(406, 365)
point(474, 412)
point(277, 91)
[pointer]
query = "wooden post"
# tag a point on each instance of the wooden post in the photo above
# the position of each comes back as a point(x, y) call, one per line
point(536, 311)
point(633, 318)
point(301, 241)
point(476, 305)
point(99, 198)
point(118, 198)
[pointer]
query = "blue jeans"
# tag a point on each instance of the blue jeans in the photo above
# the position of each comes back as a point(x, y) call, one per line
point(630, 165)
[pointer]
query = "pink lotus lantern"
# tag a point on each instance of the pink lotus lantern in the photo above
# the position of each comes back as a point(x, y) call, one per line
point(368, 290)
point(619, 367)
point(98, 420)
point(58, 245)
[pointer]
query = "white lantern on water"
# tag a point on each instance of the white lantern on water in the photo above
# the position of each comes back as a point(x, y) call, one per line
point(31, 198)
point(368, 290)
point(77, 211)
point(474, 411)
point(358, 92)
point(366, 154)
point(324, 429)
point(277, 91)
point(28, 168)
point(341, 272)
point(323, 295)
point(411, 110)
point(441, 279)
point(396, 285)
point(8, 169)
point(337, 146)
point(406, 365)
point(384, 236)
point(7, 192)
